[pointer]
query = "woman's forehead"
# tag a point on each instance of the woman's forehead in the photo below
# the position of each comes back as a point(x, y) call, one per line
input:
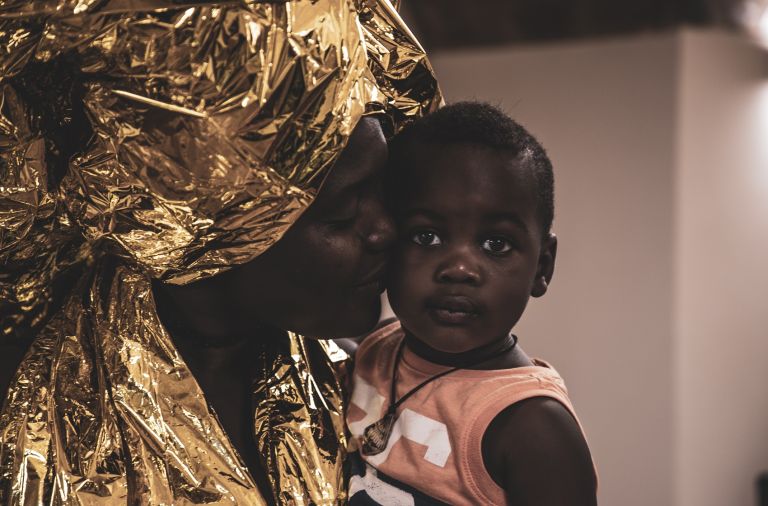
point(363, 157)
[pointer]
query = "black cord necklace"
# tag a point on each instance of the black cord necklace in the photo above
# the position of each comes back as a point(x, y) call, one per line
point(376, 435)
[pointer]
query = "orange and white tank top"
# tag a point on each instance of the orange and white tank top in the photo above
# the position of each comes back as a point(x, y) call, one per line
point(434, 453)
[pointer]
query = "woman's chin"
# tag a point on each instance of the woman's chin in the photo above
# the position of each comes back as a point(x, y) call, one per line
point(353, 323)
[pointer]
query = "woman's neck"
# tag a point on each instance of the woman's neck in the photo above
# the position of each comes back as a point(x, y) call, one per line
point(204, 315)
point(218, 346)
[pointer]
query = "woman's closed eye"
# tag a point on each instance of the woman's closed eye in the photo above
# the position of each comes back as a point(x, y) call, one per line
point(345, 216)
point(342, 222)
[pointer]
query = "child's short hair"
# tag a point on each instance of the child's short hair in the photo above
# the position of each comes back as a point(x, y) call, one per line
point(485, 125)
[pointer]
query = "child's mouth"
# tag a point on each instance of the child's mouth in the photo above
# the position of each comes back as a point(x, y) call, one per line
point(452, 309)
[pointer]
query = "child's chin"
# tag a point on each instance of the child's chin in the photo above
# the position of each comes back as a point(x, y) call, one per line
point(453, 341)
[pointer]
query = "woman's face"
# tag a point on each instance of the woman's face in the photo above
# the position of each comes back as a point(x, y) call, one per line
point(324, 277)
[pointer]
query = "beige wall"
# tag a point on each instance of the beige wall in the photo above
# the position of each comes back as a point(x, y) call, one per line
point(605, 112)
point(658, 316)
point(721, 274)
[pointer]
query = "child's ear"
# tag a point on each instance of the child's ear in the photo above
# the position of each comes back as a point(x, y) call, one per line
point(546, 267)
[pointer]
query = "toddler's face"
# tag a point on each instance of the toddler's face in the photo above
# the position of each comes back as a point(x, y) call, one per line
point(470, 251)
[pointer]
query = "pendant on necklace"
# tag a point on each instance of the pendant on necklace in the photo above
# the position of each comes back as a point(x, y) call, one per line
point(376, 435)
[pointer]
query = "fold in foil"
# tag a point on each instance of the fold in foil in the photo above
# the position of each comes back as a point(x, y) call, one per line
point(172, 140)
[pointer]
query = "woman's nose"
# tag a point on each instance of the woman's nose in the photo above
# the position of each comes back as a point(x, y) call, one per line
point(459, 267)
point(380, 232)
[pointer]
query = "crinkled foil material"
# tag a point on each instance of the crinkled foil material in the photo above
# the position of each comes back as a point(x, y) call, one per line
point(131, 426)
point(300, 403)
point(171, 139)
point(37, 242)
point(106, 412)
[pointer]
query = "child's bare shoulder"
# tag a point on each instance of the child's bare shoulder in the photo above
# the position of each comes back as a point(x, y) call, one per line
point(536, 451)
point(351, 344)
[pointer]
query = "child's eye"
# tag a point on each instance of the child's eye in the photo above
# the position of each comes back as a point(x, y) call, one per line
point(497, 245)
point(426, 238)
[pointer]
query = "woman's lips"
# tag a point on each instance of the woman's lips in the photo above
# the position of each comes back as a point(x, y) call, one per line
point(374, 278)
point(452, 309)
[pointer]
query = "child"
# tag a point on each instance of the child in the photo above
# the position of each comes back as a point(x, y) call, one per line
point(446, 406)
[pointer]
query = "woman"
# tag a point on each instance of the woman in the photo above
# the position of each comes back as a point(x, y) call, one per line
point(149, 148)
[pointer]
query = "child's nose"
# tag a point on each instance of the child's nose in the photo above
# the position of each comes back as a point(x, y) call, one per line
point(459, 268)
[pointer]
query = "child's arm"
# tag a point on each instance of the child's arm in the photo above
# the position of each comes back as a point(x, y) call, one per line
point(536, 452)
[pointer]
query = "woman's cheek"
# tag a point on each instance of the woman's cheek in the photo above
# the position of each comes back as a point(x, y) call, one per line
point(339, 257)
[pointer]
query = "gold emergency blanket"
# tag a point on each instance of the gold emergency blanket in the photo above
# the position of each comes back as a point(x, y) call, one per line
point(106, 412)
point(172, 140)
